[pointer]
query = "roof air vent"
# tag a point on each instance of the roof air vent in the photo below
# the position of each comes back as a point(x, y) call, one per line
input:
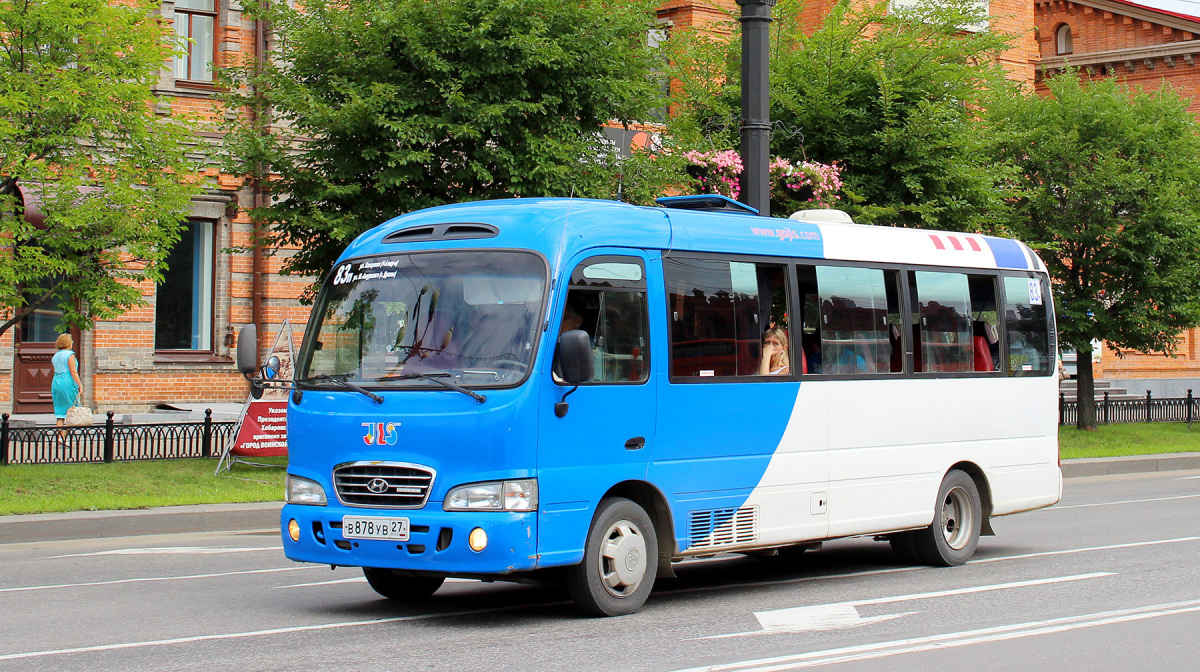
point(451, 231)
point(706, 203)
point(822, 216)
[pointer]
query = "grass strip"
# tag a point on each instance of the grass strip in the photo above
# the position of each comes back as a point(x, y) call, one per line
point(54, 488)
point(1134, 438)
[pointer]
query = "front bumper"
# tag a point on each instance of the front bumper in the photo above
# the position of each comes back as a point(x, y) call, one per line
point(437, 541)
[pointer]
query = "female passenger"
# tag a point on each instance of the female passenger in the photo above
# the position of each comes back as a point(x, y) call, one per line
point(66, 386)
point(774, 353)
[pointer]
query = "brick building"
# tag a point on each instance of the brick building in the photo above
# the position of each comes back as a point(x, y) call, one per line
point(1142, 47)
point(177, 349)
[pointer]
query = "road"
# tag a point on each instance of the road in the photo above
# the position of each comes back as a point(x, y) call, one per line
point(1109, 579)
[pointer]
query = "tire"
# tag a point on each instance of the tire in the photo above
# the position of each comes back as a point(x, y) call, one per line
point(620, 561)
point(952, 537)
point(402, 588)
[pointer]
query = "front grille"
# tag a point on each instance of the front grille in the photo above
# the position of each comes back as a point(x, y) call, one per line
point(385, 485)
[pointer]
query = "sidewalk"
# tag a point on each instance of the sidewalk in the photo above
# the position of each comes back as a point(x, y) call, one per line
point(168, 413)
point(265, 516)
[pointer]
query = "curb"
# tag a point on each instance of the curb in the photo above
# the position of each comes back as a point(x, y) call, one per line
point(1134, 464)
point(159, 520)
point(265, 516)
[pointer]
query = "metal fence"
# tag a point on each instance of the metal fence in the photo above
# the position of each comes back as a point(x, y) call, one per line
point(1167, 409)
point(111, 442)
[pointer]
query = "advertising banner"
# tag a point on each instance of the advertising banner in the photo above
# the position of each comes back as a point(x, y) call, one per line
point(262, 427)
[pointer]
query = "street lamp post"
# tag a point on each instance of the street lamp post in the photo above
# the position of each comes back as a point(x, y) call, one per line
point(756, 109)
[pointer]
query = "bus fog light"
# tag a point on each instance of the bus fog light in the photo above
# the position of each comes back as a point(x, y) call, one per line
point(478, 539)
point(294, 530)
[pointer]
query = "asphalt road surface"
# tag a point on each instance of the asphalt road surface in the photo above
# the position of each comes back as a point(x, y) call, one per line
point(1107, 580)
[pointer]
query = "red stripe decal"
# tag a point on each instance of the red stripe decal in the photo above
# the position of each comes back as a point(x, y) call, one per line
point(937, 242)
point(954, 241)
point(974, 245)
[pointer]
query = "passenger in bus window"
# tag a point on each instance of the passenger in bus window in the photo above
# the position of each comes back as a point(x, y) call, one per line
point(774, 353)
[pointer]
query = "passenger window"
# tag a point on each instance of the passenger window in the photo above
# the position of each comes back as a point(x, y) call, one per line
point(1026, 325)
point(851, 320)
point(607, 299)
point(985, 324)
point(942, 322)
point(721, 314)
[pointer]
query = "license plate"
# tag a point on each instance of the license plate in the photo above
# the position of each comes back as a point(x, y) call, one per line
point(364, 527)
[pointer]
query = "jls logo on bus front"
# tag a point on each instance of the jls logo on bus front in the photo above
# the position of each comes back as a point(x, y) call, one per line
point(381, 433)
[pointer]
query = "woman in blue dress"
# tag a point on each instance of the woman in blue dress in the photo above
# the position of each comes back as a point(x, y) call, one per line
point(65, 386)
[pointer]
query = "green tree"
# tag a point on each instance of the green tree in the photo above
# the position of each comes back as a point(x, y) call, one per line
point(891, 97)
point(79, 139)
point(379, 108)
point(1106, 189)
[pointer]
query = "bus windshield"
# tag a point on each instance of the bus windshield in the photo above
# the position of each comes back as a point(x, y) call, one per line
point(420, 319)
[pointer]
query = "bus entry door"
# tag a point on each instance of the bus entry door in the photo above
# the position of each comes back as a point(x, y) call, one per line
point(605, 435)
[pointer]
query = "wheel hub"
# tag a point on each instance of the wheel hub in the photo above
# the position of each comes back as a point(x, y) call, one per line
point(622, 558)
point(956, 518)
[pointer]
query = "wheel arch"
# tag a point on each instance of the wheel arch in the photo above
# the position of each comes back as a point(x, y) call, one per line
point(654, 503)
point(985, 493)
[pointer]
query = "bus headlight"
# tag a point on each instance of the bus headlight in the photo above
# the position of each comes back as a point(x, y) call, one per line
point(494, 496)
point(304, 491)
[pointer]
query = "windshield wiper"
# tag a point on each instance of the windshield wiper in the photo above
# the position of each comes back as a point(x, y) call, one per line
point(344, 383)
point(436, 377)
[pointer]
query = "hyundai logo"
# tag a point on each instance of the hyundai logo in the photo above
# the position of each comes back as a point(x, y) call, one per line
point(378, 486)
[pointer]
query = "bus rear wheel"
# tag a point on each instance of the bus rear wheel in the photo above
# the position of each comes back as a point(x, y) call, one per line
point(400, 587)
point(952, 537)
point(620, 560)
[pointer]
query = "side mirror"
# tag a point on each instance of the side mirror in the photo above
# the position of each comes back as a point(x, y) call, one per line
point(574, 357)
point(247, 349)
point(271, 370)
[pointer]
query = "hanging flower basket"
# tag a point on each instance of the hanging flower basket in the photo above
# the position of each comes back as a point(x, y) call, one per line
point(715, 172)
point(807, 184)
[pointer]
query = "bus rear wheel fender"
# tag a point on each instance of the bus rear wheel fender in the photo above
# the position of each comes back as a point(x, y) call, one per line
point(953, 535)
point(619, 560)
point(402, 587)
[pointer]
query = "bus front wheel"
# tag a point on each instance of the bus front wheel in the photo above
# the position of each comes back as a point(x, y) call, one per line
point(400, 587)
point(620, 560)
point(952, 537)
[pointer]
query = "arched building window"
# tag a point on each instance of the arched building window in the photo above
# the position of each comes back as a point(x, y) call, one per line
point(1062, 40)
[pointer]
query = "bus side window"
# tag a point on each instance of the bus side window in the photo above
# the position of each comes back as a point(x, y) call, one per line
point(720, 311)
point(985, 324)
point(607, 299)
point(851, 318)
point(942, 330)
point(1026, 326)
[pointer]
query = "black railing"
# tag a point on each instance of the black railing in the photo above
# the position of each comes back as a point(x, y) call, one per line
point(111, 442)
point(1167, 409)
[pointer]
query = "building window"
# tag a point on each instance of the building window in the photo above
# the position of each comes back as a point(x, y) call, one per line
point(183, 311)
point(195, 26)
point(1063, 42)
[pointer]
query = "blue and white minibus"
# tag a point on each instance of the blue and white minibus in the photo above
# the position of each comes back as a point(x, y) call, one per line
point(589, 391)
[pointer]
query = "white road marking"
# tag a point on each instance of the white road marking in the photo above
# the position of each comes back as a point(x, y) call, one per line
point(1189, 478)
point(148, 579)
point(894, 570)
point(1070, 551)
point(268, 632)
point(1127, 501)
point(171, 550)
point(360, 579)
point(953, 639)
point(845, 614)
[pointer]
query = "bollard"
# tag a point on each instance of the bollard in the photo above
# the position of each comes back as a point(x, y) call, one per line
point(206, 448)
point(108, 438)
point(1147, 405)
point(4, 440)
point(1062, 408)
point(1106, 407)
